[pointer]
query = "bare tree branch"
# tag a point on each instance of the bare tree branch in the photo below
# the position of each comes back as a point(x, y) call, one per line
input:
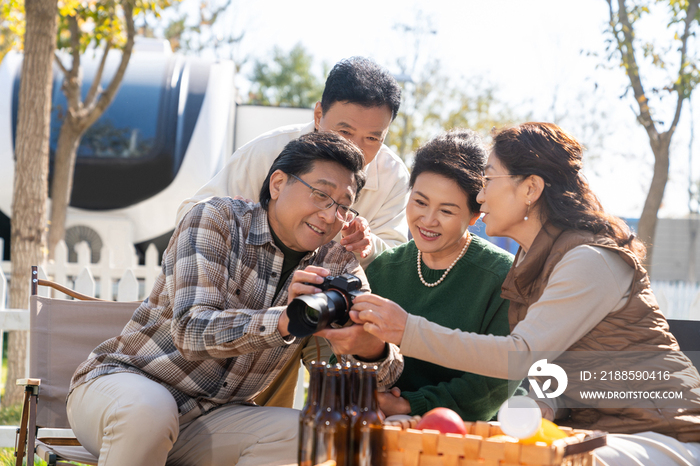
point(690, 17)
point(626, 47)
point(214, 14)
point(95, 88)
point(58, 62)
point(107, 96)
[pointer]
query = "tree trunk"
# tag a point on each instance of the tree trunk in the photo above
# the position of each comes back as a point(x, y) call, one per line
point(31, 173)
point(647, 222)
point(62, 186)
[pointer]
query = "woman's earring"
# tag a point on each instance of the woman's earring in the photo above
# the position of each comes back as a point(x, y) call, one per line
point(528, 210)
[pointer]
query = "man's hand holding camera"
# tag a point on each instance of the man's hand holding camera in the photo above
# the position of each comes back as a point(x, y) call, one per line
point(334, 298)
point(302, 283)
point(354, 340)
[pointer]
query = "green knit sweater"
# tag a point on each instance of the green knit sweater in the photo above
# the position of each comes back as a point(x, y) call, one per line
point(469, 300)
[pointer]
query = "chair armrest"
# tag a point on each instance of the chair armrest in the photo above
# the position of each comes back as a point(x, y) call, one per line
point(67, 291)
point(60, 441)
point(29, 382)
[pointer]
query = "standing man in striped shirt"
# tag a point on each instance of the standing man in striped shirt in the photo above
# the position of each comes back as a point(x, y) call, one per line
point(176, 386)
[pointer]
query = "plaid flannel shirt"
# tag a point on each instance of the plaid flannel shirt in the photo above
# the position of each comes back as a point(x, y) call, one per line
point(208, 330)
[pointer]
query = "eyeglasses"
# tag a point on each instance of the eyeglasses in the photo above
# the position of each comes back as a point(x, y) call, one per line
point(487, 179)
point(323, 201)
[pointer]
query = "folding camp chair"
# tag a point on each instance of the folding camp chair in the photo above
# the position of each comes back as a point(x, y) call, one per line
point(62, 333)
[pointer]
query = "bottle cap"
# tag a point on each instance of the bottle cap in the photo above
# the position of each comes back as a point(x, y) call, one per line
point(520, 417)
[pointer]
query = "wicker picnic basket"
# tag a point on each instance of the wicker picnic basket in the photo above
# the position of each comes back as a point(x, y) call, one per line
point(410, 447)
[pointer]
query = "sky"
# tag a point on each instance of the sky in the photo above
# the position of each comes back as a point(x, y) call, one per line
point(546, 58)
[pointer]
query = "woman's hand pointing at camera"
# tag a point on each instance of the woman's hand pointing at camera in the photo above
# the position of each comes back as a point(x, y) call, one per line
point(380, 317)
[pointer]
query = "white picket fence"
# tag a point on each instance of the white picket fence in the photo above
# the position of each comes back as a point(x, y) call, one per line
point(678, 300)
point(100, 280)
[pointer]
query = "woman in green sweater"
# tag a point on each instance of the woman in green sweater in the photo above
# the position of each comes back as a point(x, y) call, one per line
point(446, 275)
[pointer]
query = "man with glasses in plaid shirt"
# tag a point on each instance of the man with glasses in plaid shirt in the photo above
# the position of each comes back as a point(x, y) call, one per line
point(176, 386)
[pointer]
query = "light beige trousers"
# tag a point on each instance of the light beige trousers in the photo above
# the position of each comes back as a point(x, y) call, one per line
point(128, 419)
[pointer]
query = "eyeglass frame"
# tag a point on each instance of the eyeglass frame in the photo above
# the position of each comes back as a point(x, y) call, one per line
point(354, 213)
point(485, 179)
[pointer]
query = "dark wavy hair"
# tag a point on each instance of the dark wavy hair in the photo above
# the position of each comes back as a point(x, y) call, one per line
point(299, 156)
point(546, 150)
point(458, 155)
point(361, 81)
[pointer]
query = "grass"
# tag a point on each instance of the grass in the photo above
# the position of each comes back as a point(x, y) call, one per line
point(10, 416)
point(7, 458)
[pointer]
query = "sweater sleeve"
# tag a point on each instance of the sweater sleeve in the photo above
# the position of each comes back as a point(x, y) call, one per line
point(473, 397)
point(586, 285)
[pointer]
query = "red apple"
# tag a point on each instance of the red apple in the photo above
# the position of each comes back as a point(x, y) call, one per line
point(443, 419)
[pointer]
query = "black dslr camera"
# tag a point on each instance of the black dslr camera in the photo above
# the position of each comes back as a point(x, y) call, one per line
point(313, 312)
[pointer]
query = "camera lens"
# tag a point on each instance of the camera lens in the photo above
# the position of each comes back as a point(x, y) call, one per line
point(310, 313)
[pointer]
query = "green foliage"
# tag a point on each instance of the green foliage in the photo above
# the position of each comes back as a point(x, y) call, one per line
point(10, 415)
point(209, 30)
point(436, 102)
point(99, 22)
point(656, 53)
point(287, 80)
point(11, 25)
point(7, 458)
point(433, 100)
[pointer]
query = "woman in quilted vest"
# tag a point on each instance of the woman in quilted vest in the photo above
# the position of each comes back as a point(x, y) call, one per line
point(582, 311)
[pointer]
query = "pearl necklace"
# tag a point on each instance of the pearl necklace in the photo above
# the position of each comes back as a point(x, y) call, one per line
point(420, 272)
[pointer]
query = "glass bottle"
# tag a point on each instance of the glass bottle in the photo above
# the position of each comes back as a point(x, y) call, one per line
point(355, 381)
point(307, 416)
point(332, 426)
point(344, 391)
point(367, 436)
point(351, 409)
